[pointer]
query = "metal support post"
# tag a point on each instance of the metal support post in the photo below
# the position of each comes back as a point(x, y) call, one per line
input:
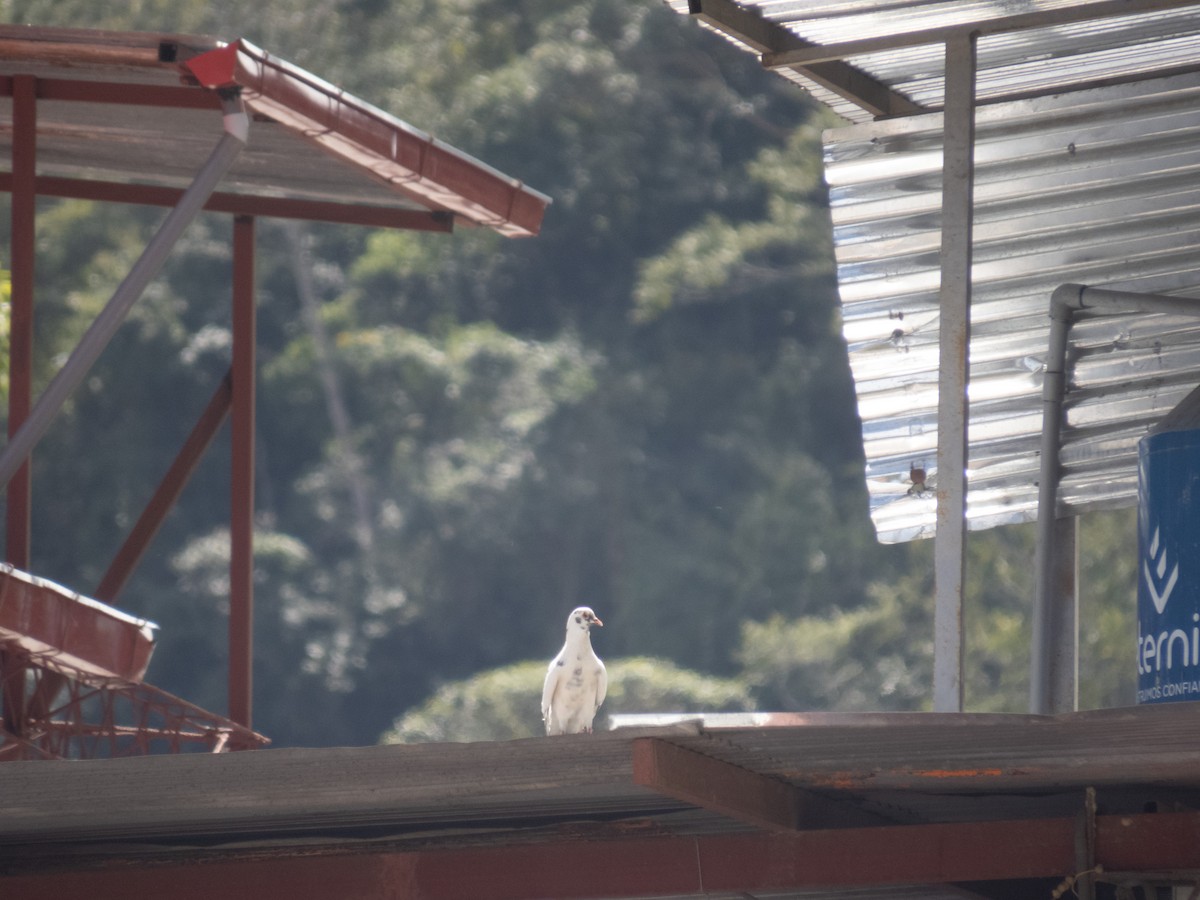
point(22, 264)
point(1054, 649)
point(101, 331)
point(167, 493)
point(241, 517)
point(18, 512)
point(954, 361)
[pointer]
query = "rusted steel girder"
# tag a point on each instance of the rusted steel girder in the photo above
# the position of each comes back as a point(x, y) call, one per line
point(677, 866)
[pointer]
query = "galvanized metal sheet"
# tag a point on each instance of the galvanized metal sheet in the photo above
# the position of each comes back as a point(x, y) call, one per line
point(1097, 187)
point(125, 109)
point(1065, 42)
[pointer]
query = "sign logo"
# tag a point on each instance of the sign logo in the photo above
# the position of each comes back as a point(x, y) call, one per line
point(1154, 580)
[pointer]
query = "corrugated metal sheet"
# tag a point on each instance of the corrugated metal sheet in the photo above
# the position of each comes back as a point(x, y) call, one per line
point(1068, 47)
point(1095, 184)
point(1096, 187)
point(125, 109)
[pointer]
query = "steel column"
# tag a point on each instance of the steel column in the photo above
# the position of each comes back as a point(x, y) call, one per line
point(1045, 621)
point(241, 516)
point(20, 329)
point(1054, 651)
point(167, 493)
point(18, 511)
point(101, 331)
point(953, 363)
point(1064, 617)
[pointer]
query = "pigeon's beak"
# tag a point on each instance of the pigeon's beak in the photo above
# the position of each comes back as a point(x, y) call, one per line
point(596, 620)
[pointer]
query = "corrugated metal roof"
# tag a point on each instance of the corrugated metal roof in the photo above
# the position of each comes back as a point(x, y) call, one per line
point(1027, 47)
point(126, 110)
point(1096, 187)
point(1086, 161)
point(552, 796)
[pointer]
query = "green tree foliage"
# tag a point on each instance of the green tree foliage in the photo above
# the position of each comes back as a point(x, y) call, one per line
point(1108, 609)
point(880, 656)
point(503, 704)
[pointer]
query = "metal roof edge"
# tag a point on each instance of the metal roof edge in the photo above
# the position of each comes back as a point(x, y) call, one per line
point(412, 161)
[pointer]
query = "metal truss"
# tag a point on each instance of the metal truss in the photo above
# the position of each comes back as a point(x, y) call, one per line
point(67, 713)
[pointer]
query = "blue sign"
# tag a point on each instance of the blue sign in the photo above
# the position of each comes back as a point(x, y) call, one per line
point(1168, 657)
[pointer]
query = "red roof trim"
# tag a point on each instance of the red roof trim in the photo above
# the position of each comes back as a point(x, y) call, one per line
point(433, 173)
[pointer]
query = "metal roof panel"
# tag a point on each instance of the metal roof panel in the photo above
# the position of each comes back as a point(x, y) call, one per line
point(128, 109)
point(1095, 187)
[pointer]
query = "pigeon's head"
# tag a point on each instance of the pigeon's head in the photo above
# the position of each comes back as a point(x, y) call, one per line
point(583, 618)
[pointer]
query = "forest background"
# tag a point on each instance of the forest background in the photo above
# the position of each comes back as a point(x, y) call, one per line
point(647, 408)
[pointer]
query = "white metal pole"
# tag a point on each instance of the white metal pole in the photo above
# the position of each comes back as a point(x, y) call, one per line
point(949, 550)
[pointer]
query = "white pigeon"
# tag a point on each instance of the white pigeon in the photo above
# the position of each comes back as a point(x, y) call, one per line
point(576, 681)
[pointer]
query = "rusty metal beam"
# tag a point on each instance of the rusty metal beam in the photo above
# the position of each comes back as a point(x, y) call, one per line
point(242, 204)
point(22, 263)
point(104, 326)
point(167, 493)
point(714, 784)
point(19, 493)
point(121, 93)
point(241, 512)
point(739, 793)
point(771, 40)
point(957, 853)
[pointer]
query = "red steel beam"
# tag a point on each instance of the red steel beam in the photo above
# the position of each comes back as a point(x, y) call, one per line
point(656, 866)
point(242, 204)
point(241, 513)
point(24, 255)
point(714, 784)
point(19, 495)
point(125, 93)
point(741, 794)
point(167, 493)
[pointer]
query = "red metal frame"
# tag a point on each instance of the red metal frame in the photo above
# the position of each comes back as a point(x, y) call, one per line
point(24, 153)
point(714, 784)
point(1128, 849)
point(18, 512)
point(75, 714)
point(750, 797)
point(168, 492)
point(241, 516)
point(445, 182)
point(239, 204)
point(431, 172)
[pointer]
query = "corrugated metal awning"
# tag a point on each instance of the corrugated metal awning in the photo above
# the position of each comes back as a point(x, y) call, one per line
point(871, 58)
point(1097, 187)
point(1086, 127)
point(132, 116)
